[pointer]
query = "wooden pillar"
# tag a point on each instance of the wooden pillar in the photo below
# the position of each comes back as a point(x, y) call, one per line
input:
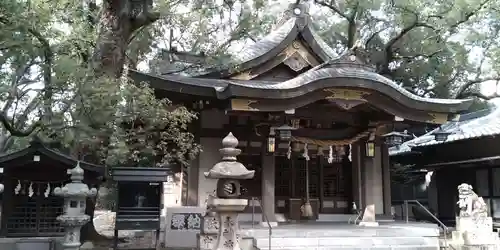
point(377, 187)
point(372, 183)
point(192, 183)
point(321, 187)
point(268, 189)
point(386, 180)
point(490, 191)
point(193, 170)
point(368, 180)
point(356, 154)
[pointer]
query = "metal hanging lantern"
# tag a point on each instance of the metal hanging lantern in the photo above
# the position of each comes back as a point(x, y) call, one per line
point(395, 138)
point(284, 132)
point(370, 149)
point(271, 142)
point(441, 135)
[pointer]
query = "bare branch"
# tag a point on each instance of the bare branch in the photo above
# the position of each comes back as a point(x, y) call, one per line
point(479, 95)
point(462, 91)
point(351, 19)
point(389, 53)
point(18, 132)
point(334, 9)
point(468, 15)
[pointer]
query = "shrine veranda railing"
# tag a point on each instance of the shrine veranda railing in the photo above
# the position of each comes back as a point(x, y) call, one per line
point(34, 210)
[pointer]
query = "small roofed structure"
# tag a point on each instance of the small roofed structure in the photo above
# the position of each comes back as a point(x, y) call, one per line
point(338, 106)
point(30, 175)
point(462, 151)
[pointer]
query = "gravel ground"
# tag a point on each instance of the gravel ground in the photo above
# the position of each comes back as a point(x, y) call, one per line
point(104, 223)
point(145, 241)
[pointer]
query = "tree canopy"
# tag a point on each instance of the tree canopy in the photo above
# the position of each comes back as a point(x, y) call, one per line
point(62, 62)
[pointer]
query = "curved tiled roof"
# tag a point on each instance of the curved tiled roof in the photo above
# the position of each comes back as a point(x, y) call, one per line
point(265, 44)
point(473, 125)
point(332, 74)
point(289, 28)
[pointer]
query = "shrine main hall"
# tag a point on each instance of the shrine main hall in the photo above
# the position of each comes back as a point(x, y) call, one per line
point(311, 123)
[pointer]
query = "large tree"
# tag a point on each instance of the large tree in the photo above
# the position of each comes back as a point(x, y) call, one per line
point(62, 75)
point(439, 49)
point(62, 63)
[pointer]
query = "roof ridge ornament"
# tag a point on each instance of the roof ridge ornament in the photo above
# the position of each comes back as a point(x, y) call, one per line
point(298, 10)
point(353, 57)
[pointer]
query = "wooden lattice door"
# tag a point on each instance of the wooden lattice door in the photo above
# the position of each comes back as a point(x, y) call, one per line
point(299, 182)
point(283, 182)
point(34, 211)
point(334, 197)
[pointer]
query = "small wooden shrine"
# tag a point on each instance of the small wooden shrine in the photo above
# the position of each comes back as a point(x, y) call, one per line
point(310, 122)
point(29, 207)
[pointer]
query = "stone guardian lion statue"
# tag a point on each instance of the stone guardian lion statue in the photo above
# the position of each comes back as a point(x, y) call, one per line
point(470, 204)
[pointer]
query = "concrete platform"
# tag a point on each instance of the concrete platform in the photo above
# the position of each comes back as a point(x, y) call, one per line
point(328, 235)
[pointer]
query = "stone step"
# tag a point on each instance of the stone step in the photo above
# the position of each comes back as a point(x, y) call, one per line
point(324, 243)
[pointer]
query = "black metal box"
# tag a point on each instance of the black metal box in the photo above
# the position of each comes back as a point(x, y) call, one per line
point(139, 198)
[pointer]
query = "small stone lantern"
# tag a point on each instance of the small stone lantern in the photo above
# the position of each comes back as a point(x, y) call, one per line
point(75, 195)
point(227, 204)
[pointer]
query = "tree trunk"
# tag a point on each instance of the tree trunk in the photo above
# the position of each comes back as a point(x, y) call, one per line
point(117, 22)
point(114, 32)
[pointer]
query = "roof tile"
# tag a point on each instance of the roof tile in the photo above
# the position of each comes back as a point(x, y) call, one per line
point(487, 124)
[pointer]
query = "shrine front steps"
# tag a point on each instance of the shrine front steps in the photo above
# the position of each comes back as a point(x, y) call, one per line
point(328, 237)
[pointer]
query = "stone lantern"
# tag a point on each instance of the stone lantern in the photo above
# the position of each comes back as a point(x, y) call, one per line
point(75, 195)
point(227, 204)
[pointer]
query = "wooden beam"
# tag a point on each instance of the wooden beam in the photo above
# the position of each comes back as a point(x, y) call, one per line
point(250, 133)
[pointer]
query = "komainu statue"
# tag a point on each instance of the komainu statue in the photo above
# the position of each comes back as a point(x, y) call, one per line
point(470, 204)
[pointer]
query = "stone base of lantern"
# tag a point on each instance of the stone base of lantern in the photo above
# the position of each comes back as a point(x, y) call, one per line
point(228, 237)
point(72, 238)
point(221, 231)
point(72, 226)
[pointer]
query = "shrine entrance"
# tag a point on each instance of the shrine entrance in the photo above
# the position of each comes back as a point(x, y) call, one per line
point(329, 184)
point(292, 80)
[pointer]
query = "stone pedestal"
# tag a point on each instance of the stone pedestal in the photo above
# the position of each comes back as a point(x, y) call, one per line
point(475, 232)
point(227, 213)
point(368, 219)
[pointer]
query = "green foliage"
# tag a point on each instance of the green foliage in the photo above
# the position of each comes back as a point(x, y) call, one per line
point(431, 48)
point(47, 47)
